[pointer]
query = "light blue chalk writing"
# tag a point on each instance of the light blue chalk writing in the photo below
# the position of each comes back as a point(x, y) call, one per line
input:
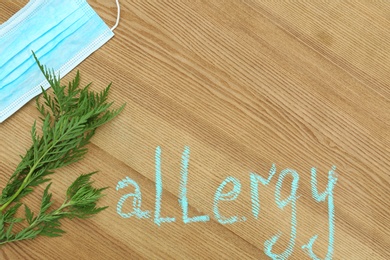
point(332, 179)
point(255, 179)
point(137, 200)
point(157, 219)
point(183, 201)
point(281, 204)
point(229, 196)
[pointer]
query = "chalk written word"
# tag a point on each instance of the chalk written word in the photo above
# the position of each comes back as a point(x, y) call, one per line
point(221, 195)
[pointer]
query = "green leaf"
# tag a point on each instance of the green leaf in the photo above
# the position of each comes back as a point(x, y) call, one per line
point(8, 234)
point(69, 119)
point(29, 214)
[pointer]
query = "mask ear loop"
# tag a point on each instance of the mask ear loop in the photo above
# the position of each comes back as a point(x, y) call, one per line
point(117, 16)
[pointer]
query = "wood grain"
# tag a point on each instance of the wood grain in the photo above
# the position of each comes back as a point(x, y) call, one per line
point(244, 84)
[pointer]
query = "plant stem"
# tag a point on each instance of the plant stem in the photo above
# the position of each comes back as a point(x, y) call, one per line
point(37, 221)
point(26, 179)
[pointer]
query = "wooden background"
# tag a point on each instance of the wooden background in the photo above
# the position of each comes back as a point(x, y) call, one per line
point(244, 84)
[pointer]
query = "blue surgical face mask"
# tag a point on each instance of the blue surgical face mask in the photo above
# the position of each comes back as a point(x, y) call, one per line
point(61, 33)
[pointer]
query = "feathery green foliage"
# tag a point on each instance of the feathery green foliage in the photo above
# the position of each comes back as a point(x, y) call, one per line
point(69, 119)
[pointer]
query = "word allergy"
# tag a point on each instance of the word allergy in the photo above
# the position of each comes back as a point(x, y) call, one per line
point(221, 195)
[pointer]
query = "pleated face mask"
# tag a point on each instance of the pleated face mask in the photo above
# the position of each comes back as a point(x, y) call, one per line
point(61, 33)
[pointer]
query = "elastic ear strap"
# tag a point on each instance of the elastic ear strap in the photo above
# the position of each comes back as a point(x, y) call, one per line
point(118, 16)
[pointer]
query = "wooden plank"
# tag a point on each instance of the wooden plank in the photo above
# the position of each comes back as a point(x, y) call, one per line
point(243, 85)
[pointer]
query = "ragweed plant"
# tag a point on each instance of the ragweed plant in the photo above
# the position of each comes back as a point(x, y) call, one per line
point(69, 118)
